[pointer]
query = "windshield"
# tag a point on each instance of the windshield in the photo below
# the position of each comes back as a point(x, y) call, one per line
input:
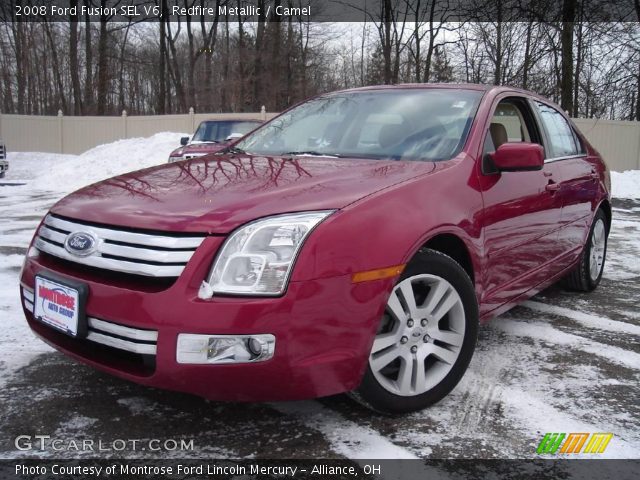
point(219, 131)
point(401, 124)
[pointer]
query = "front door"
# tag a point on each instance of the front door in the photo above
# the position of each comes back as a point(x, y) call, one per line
point(522, 210)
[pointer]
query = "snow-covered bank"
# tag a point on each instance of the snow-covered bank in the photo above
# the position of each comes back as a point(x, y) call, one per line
point(65, 173)
point(626, 184)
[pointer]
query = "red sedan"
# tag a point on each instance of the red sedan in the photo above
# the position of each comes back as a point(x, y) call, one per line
point(352, 244)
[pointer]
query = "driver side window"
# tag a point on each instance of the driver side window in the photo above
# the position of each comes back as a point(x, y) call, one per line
point(511, 122)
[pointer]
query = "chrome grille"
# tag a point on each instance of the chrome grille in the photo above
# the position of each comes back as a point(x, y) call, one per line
point(120, 250)
point(111, 334)
point(28, 298)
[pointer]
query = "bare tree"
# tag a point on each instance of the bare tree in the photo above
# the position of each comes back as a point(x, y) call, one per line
point(240, 63)
point(566, 40)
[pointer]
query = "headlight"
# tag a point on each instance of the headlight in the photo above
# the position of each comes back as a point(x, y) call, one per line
point(176, 155)
point(257, 258)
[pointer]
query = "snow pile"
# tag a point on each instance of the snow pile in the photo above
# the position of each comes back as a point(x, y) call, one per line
point(65, 173)
point(626, 184)
point(27, 166)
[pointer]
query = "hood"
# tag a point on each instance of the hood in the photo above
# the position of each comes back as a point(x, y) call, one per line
point(215, 194)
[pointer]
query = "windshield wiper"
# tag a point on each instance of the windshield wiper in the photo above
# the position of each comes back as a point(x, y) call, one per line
point(310, 153)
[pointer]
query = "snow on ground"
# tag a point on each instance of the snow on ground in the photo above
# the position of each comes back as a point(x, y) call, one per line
point(347, 438)
point(626, 184)
point(560, 362)
point(19, 218)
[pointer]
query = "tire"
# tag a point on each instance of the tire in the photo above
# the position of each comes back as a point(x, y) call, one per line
point(422, 349)
point(2, 174)
point(587, 274)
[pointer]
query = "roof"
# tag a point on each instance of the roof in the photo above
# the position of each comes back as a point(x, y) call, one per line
point(453, 86)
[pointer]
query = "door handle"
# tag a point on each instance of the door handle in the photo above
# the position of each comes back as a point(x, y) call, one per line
point(552, 186)
point(547, 173)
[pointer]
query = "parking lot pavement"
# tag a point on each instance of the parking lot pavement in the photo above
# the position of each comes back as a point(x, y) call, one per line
point(561, 362)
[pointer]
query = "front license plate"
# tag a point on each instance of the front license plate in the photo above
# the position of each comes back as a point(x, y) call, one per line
point(59, 305)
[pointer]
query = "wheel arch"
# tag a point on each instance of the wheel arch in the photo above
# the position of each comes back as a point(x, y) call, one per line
point(605, 206)
point(453, 246)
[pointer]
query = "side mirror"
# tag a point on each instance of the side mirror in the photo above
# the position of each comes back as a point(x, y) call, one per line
point(520, 156)
point(184, 141)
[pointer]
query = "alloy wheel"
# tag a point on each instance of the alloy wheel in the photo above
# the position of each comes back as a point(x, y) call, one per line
point(420, 336)
point(598, 246)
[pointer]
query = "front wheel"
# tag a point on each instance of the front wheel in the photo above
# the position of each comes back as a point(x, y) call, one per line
point(426, 337)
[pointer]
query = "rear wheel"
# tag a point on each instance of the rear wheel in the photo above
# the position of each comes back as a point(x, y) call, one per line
point(587, 274)
point(426, 337)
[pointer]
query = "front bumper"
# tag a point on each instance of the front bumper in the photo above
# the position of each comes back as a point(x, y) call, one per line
point(323, 328)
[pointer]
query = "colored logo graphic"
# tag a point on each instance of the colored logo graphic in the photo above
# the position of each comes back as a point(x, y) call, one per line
point(573, 443)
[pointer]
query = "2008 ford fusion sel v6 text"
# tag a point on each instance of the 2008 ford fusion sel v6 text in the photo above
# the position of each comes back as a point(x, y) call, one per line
point(352, 244)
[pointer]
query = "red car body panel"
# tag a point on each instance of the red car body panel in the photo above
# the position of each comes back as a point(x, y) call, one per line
point(219, 193)
point(519, 234)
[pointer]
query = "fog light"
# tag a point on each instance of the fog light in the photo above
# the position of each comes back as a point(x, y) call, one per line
point(214, 349)
point(255, 346)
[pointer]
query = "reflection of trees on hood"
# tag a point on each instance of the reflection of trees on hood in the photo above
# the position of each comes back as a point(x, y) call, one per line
point(207, 175)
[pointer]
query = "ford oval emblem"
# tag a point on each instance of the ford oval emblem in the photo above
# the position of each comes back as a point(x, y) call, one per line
point(81, 244)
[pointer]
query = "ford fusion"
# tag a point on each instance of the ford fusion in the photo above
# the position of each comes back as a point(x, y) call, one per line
point(354, 243)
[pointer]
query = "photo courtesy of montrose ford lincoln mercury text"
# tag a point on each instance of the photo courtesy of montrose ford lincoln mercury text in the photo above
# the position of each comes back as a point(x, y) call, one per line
point(352, 244)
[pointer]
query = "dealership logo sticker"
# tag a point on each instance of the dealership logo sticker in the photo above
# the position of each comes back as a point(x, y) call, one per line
point(563, 443)
point(81, 244)
point(56, 305)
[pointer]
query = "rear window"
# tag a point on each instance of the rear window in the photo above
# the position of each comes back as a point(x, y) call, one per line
point(564, 142)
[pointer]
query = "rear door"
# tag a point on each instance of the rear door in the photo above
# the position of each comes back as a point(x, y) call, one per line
point(578, 177)
point(522, 209)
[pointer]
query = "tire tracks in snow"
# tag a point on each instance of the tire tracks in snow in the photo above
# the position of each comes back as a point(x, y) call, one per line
point(526, 410)
point(545, 332)
point(586, 319)
point(346, 438)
